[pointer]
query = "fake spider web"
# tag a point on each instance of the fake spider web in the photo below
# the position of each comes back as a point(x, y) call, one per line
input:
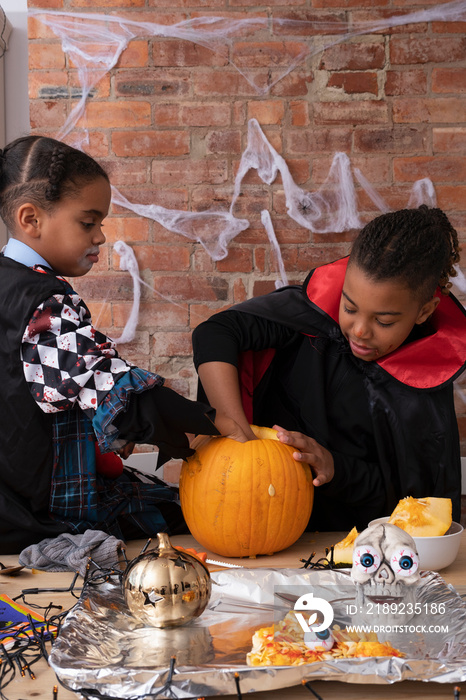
point(95, 42)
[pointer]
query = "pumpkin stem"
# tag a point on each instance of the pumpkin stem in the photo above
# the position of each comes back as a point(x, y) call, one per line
point(164, 542)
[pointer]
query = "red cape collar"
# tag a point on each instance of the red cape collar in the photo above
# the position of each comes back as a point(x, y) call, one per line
point(423, 364)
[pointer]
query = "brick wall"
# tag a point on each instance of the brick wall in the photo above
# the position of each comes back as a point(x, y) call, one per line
point(170, 119)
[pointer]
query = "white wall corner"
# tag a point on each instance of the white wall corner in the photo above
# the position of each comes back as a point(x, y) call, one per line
point(145, 462)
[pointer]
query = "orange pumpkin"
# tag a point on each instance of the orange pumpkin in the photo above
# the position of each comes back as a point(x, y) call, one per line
point(242, 499)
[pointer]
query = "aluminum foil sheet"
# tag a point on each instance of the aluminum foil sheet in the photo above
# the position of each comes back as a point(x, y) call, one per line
point(103, 652)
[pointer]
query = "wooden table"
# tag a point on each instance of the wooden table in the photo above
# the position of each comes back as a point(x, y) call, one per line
point(42, 687)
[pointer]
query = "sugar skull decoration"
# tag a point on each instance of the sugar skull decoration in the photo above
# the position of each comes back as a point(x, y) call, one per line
point(386, 572)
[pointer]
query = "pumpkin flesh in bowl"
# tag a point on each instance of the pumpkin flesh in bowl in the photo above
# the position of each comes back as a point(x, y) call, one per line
point(423, 517)
point(244, 499)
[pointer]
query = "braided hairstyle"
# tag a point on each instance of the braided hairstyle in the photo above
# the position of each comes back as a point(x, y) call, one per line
point(417, 247)
point(41, 170)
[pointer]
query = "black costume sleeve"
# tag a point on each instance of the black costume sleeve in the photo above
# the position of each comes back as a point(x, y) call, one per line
point(225, 335)
point(162, 417)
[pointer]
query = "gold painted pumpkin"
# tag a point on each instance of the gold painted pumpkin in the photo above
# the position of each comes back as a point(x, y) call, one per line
point(166, 587)
point(242, 499)
point(422, 517)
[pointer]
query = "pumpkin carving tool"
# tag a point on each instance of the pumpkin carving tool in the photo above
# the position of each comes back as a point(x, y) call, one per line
point(203, 557)
point(223, 564)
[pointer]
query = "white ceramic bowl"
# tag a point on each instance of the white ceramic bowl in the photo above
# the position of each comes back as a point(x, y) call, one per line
point(436, 553)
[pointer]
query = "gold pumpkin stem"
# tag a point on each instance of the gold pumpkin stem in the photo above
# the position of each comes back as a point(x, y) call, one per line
point(164, 541)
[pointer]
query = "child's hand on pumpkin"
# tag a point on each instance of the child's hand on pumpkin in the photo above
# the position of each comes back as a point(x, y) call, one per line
point(230, 428)
point(311, 452)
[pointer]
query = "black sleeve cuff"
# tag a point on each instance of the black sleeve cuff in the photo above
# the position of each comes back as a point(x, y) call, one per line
point(162, 417)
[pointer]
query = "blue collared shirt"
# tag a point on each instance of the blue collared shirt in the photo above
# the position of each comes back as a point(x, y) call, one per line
point(24, 254)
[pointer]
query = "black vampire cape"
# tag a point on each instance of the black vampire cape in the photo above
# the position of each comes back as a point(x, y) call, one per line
point(390, 425)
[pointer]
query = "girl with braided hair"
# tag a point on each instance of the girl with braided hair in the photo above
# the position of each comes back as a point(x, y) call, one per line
point(355, 369)
point(64, 386)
